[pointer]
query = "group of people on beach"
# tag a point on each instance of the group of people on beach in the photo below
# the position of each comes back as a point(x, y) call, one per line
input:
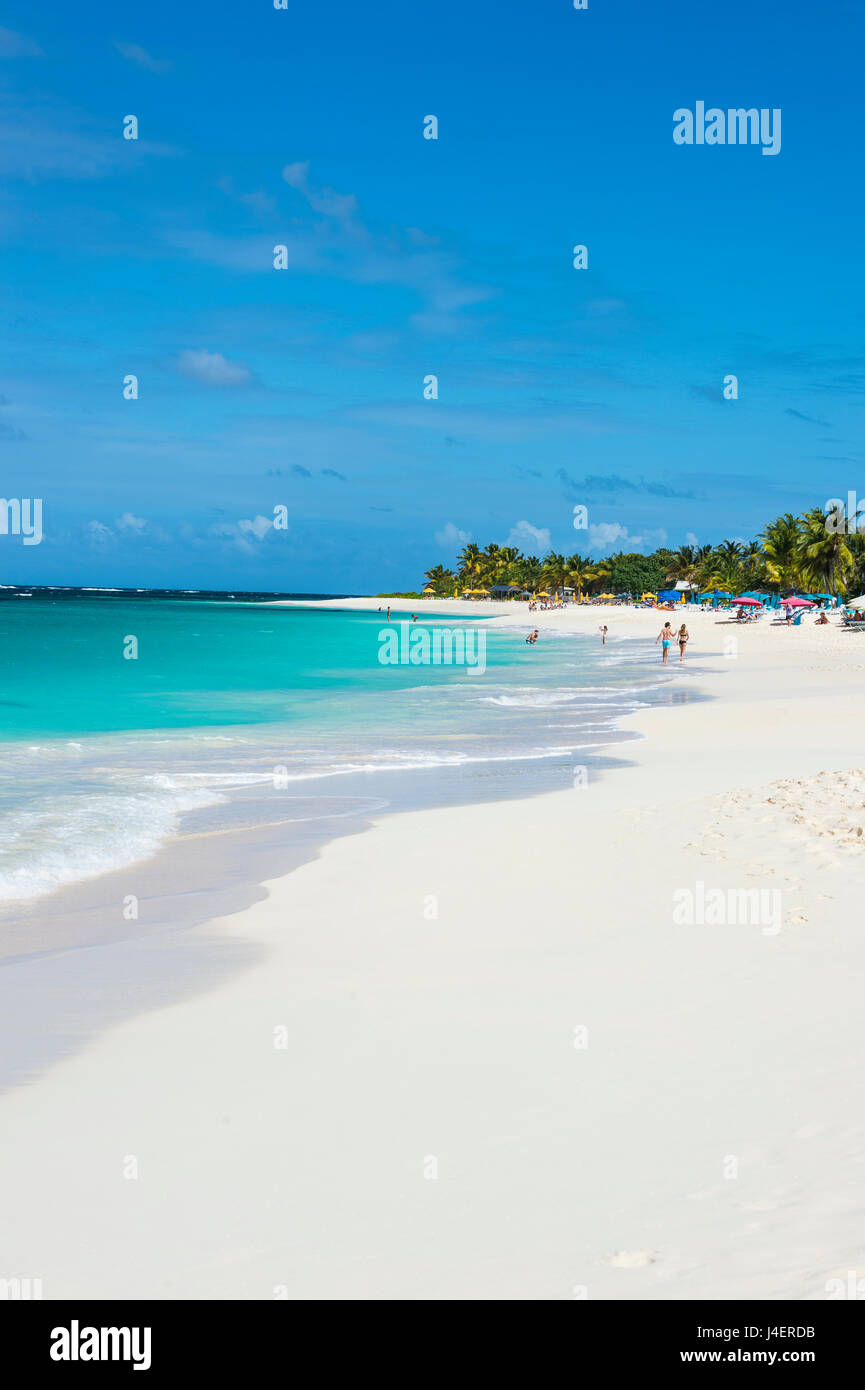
point(666, 637)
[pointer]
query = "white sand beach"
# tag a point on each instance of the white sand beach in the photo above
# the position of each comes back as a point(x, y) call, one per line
point(477, 1056)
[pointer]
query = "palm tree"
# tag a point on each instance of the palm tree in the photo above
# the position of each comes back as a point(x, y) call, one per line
point(702, 557)
point(528, 571)
point(684, 567)
point(580, 573)
point(729, 575)
point(705, 565)
point(683, 564)
point(723, 569)
point(781, 549)
point(602, 572)
point(488, 566)
point(753, 562)
point(506, 561)
point(469, 560)
point(729, 551)
point(554, 570)
point(825, 558)
point(856, 546)
point(442, 580)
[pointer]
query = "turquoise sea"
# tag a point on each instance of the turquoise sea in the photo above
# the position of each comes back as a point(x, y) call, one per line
point(233, 713)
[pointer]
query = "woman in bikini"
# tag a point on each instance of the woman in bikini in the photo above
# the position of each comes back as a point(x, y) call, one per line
point(683, 639)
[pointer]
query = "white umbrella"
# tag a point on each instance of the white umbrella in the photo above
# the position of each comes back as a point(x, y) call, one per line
point(856, 602)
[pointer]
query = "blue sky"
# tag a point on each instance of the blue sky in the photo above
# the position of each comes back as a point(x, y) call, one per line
point(303, 388)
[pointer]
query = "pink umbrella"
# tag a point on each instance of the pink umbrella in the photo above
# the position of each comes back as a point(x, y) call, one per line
point(798, 603)
point(747, 603)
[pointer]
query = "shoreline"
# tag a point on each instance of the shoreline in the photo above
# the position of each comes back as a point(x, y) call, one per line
point(198, 876)
point(446, 1042)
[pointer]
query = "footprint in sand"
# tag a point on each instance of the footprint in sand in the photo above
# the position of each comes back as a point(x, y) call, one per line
point(632, 1259)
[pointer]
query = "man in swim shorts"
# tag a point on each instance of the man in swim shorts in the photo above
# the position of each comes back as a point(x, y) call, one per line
point(665, 636)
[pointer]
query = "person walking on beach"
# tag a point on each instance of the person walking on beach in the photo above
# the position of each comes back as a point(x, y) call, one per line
point(684, 638)
point(388, 613)
point(665, 636)
point(604, 635)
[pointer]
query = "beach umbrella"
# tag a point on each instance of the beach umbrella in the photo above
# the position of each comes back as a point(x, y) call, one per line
point(743, 602)
point(856, 602)
point(798, 603)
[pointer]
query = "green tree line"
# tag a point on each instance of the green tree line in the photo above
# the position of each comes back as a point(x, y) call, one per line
point(792, 553)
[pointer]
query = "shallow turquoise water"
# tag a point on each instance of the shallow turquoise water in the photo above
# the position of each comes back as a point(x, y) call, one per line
point(103, 758)
point(197, 664)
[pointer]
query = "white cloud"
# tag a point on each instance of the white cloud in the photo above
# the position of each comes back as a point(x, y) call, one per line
point(212, 369)
point(525, 536)
point(690, 538)
point(32, 148)
point(259, 527)
point(342, 243)
point(14, 45)
point(451, 535)
point(243, 534)
point(142, 59)
point(99, 532)
point(607, 534)
point(129, 522)
point(251, 253)
point(322, 200)
point(263, 204)
point(41, 141)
